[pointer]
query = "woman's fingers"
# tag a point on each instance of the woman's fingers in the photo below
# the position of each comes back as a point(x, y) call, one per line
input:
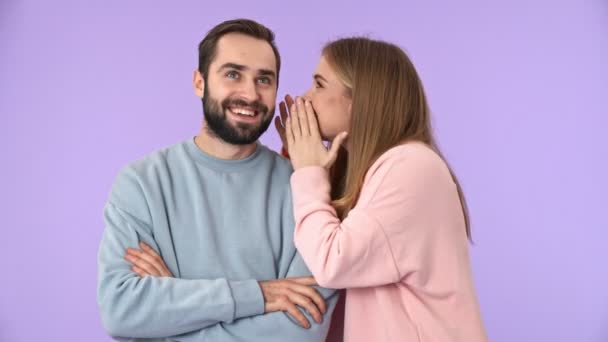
point(289, 134)
point(295, 121)
point(283, 111)
point(312, 120)
point(335, 147)
point(302, 117)
point(280, 123)
point(281, 130)
point(288, 100)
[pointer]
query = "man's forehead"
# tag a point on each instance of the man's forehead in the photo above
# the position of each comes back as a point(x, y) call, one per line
point(241, 49)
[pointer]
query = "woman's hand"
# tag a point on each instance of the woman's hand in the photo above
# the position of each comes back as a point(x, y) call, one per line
point(304, 142)
point(279, 121)
point(146, 262)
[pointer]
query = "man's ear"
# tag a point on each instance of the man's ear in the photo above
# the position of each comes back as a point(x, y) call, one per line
point(198, 83)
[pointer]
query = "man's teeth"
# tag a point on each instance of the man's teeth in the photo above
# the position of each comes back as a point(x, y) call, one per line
point(242, 111)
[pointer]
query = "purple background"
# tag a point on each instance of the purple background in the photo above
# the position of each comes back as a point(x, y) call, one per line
point(518, 90)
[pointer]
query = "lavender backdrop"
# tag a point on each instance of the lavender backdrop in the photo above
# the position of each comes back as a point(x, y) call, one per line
point(518, 89)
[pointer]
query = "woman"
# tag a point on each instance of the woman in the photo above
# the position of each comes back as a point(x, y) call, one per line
point(392, 227)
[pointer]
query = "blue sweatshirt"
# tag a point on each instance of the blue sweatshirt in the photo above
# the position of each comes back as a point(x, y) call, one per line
point(220, 226)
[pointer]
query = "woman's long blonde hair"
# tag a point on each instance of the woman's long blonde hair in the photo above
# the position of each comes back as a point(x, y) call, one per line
point(389, 107)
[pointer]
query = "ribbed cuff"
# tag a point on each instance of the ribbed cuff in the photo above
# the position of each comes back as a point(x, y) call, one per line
point(248, 298)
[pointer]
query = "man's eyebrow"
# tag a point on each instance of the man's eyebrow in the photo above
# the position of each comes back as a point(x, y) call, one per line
point(232, 66)
point(267, 72)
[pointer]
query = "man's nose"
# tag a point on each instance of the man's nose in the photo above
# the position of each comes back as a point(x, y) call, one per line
point(249, 91)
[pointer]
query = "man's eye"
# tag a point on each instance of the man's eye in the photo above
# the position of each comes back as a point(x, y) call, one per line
point(264, 80)
point(232, 74)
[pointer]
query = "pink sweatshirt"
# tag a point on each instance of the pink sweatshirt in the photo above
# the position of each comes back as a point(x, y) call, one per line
point(401, 253)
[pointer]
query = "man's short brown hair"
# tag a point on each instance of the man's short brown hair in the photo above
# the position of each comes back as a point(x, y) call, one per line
point(207, 47)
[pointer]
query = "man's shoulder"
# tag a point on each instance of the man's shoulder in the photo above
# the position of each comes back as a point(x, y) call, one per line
point(159, 158)
point(146, 170)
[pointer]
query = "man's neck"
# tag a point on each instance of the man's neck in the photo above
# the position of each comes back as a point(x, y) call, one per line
point(214, 146)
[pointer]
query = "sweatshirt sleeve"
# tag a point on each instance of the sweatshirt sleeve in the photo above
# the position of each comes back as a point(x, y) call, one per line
point(388, 233)
point(275, 326)
point(156, 307)
point(272, 327)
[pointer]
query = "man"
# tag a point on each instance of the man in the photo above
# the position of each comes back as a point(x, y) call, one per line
point(217, 209)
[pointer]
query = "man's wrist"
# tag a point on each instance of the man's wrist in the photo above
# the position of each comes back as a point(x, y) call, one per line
point(248, 298)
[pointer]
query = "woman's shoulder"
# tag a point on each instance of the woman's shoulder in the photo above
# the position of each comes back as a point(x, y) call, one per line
point(409, 154)
point(412, 167)
point(410, 160)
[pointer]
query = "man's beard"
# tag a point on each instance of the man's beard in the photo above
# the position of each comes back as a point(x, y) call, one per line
point(239, 133)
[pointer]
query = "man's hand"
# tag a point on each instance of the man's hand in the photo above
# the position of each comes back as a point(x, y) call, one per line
point(284, 294)
point(146, 262)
